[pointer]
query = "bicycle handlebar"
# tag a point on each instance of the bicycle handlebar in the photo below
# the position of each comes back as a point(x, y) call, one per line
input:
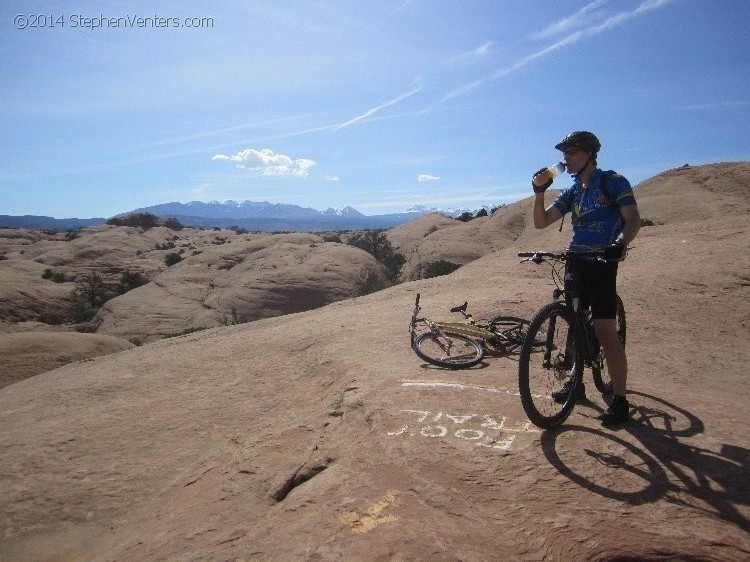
point(539, 257)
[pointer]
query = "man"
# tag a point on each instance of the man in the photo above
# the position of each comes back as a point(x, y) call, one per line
point(604, 216)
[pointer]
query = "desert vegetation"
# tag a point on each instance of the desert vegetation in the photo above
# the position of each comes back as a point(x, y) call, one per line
point(91, 291)
point(440, 267)
point(375, 243)
point(145, 221)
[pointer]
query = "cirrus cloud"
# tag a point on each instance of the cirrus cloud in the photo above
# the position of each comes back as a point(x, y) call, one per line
point(267, 163)
point(421, 178)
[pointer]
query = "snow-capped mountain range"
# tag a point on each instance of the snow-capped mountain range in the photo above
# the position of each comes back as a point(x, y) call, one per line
point(252, 215)
point(243, 210)
point(262, 215)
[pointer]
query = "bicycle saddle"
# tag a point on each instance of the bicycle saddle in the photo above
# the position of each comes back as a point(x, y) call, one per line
point(461, 308)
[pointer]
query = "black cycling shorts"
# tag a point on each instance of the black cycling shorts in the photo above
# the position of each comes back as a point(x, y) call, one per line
point(596, 285)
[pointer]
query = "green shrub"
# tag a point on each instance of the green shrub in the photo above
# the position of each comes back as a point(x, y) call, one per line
point(376, 244)
point(171, 259)
point(441, 267)
point(173, 224)
point(90, 292)
point(84, 314)
point(144, 220)
point(129, 280)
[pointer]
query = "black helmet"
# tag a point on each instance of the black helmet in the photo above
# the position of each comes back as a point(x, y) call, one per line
point(580, 139)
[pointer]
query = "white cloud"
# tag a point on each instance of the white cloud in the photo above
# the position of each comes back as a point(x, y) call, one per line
point(582, 17)
point(480, 52)
point(724, 104)
point(267, 163)
point(588, 22)
point(413, 90)
point(421, 178)
point(331, 178)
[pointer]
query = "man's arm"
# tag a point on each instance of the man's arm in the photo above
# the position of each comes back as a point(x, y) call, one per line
point(543, 217)
point(632, 218)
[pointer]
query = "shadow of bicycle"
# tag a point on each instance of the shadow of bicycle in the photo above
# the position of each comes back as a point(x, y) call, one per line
point(653, 463)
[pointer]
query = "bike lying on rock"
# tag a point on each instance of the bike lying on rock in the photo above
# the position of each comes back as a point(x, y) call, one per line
point(460, 345)
point(570, 344)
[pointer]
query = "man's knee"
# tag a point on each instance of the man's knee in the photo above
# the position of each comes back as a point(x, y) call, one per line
point(606, 330)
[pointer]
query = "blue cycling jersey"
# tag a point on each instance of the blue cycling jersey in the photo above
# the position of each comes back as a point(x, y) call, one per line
point(596, 220)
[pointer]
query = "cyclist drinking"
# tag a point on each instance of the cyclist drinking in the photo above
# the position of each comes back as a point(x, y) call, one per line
point(605, 217)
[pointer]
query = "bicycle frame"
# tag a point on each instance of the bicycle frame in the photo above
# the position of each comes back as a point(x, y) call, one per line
point(468, 327)
point(549, 381)
point(443, 339)
point(584, 323)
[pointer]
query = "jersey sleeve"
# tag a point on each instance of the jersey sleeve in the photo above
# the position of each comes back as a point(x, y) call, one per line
point(564, 201)
point(621, 191)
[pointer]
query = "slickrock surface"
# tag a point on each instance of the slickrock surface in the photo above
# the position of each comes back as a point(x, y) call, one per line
point(321, 436)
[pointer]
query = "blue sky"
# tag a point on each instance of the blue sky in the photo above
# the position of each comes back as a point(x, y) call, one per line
point(381, 105)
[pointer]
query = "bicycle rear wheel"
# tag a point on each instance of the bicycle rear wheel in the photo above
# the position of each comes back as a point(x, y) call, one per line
point(544, 370)
point(599, 370)
point(452, 351)
point(514, 329)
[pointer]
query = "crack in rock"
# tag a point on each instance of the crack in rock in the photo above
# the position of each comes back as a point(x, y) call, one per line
point(304, 473)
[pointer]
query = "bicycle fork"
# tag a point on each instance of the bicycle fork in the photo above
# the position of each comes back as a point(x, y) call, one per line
point(560, 362)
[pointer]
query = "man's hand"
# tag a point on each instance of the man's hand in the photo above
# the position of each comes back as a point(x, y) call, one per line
point(540, 188)
point(616, 251)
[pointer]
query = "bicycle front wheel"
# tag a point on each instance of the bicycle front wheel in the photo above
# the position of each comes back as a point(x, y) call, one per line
point(452, 351)
point(544, 371)
point(600, 371)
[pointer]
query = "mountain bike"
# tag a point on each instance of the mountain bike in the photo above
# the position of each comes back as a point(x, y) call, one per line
point(570, 345)
point(460, 345)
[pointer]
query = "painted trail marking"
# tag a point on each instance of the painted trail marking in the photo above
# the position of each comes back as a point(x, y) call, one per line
point(462, 386)
point(483, 430)
point(367, 521)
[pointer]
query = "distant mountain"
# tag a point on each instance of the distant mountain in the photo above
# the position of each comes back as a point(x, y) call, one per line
point(40, 222)
point(228, 209)
point(342, 212)
point(422, 210)
point(265, 216)
point(251, 215)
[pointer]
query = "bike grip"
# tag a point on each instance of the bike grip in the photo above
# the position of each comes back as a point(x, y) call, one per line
point(417, 301)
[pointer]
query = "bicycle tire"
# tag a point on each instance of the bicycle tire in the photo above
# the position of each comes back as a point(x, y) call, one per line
point(601, 375)
point(465, 352)
point(537, 379)
point(514, 329)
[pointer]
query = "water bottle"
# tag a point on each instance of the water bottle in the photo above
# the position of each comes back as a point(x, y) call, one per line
point(548, 174)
